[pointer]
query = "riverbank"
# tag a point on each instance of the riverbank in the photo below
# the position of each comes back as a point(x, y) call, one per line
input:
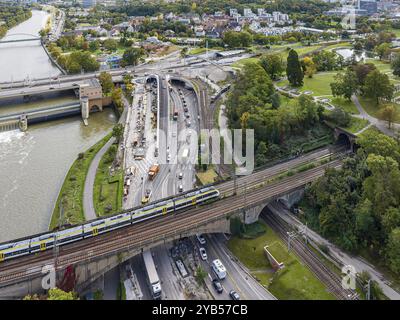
point(12, 16)
point(69, 206)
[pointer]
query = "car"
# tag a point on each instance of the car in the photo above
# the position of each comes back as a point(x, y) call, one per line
point(147, 196)
point(180, 176)
point(189, 123)
point(217, 285)
point(234, 295)
point(180, 188)
point(201, 238)
point(203, 253)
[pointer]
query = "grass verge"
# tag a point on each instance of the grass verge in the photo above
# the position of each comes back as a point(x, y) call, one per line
point(294, 282)
point(108, 187)
point(70, 197)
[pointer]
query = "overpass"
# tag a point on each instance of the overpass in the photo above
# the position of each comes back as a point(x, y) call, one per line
point(93, 257)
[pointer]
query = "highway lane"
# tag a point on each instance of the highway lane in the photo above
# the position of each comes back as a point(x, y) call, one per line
point(237, 278)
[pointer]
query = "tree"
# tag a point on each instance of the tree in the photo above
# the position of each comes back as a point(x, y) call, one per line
point(383, 50)
point(309, 67)
point(340, 117)
point(94, 45)
point(118, 131)
point(58, 294)
point(389, 113)
point(393, 250)
point(395, 64)
point(201, 274)
point(131, 56)
point(110, 44)
point(362, 70)
point(378, 86)
point(273, 65)
point(106, 82)
point(345, 84)
point(294, 71)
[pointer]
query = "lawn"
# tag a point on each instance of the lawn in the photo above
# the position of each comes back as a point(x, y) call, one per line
point(71, 193)
point(108, 188)
point(370, 107)
point(294, 282)
point(319, 84)
point(356, 125)
point(344, 104)
point(206, 177)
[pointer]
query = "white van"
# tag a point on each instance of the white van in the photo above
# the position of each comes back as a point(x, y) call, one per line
point(219, 269)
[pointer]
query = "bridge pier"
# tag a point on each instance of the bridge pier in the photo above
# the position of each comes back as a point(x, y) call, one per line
point(23, 123)
point(85, 109)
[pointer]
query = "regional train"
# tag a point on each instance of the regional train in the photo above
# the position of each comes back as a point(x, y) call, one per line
point(93, 228)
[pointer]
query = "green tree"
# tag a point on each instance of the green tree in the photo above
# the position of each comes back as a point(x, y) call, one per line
point(377, 86)
point(131, 56)
point(58, 294)
point(273, 65)
point(383, 50)
point(389, 113)
point(345, 84)
point(110, 44)
point(118, 131)
point(294, 71)
point(393, 250)
point(201, 275)
point(395, 64)
point(106, 82)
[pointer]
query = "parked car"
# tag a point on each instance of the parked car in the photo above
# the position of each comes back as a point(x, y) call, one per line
point(217, 285)
point(234, 295)
point(203, 253)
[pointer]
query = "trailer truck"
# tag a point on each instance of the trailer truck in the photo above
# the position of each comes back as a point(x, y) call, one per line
point(152, 276)
point(153, 171)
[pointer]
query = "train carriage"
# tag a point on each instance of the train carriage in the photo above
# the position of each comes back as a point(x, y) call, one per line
point(94, 228)
point(69, 235)
point(154, 210)
point(14, 249)
point(118, 221)
point(43, 242)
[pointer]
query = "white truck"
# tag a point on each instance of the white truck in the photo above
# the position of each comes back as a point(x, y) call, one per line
point(152, 275)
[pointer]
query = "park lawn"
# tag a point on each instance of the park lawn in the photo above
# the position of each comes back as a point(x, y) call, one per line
point(241, 63)
point(71, 193)
point(338, 45)
point(108, 188)
point(294, 282)
point(319, 84)
point(356, 125)
point(345, 105)
point(207, 177)
point(370, 107)
point(382, 66)
point(195, 51)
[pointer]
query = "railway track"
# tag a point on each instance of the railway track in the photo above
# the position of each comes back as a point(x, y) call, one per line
point(332, 280)
point(158, 229)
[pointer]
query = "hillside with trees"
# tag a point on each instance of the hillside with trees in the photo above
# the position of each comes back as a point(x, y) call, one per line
point(358, 207)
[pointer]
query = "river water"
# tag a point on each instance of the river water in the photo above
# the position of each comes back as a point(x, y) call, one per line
point(33, 164)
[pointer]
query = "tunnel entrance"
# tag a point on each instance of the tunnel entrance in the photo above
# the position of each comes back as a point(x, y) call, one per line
point(344, 140)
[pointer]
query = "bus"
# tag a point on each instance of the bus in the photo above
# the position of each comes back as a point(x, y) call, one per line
point(152, 275)
point(219, 269)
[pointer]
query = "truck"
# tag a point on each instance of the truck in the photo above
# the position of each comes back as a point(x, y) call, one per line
point(153, 171)
point(185, 154)
point(152, 275)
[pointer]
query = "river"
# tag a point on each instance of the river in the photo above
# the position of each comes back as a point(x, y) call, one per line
point(33, 164)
